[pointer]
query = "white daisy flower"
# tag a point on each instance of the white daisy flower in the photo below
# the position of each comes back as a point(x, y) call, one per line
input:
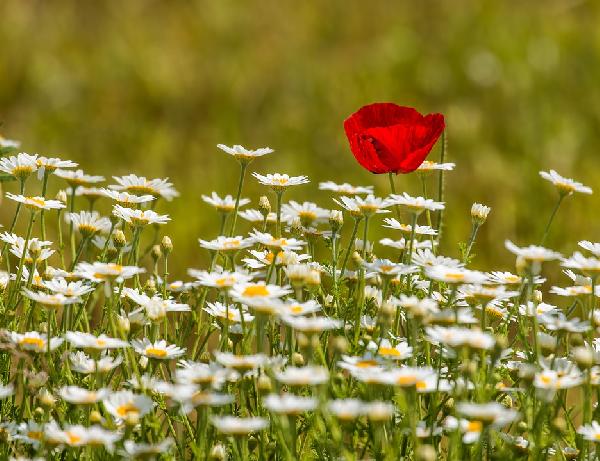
point(400, 351)
point(80, 436)
point(11, 143)
point(125, 404)
point(393, 223)
point(126, 198)
point(279, 182)
point(459, 336)
point(140, 185)
point(222, 243)
point(244, 155)
point(345, 188)
point(311, 324)
point(139, 218)
point(429, 166)
point(589, 266)
point(416, 204)
point(253, 215)
point(454, 275)
point(289, 244)
point(155, 307)
point(225, 204)
point(403, 244)
point(590, 432)
point(592, 247)
point(565, 185)
point(78, 177)
point(532, 253)
point(146, 450)
point(34, 341)
point(83, 340)
point(89, 223)
point(367, 206)
point(247, 292)
point(308, 213)
point(425, 257)
point(51, 164)
point(106, 272)
point(387, 268)
point(240, 362)
point(492, 413)
point(71, 289)
point(36, 203)
point(20, 166)
point(157, 350)
point(292, 307)
point(220, 280)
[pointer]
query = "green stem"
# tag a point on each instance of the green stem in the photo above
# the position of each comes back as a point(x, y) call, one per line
point(243, 167)
point(556, 207)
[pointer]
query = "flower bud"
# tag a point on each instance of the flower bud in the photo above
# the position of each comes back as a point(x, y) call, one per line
point(123, 323)
point(218, 452)
point(156, 253)
point(166, 245)
point(143, 362)
point(119, 239)
point(296, 226)
point(132, 418)
point(340, 344)
point(61, 196)
point(264, 206)
point(35, 249)
point(537, 296)
point(297, 359)
point(479, 213)
point(336, 220)
point(425, 453)
point(584, 357)
point(264, 384)
point(95, 417)
point(46, 398)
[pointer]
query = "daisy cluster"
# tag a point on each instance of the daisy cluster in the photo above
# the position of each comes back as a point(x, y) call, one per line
point(301, 338)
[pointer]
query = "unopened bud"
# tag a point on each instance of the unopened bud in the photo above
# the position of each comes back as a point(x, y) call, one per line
point(119, 239)
point(336, 220)
point(132, 418)
point(166, 245)
point(537, 296)
point(61, 196)
point(95, 417)
point(297, 359)
point(218, 452)
point(264, 206)
point(156, 253)
point(46, 398)
point(584, 357)
point(425, 453)
point(340, 344)
point(264, 384)
point(479, 213)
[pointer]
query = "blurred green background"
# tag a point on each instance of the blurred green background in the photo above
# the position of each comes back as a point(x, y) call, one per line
point(151, 87)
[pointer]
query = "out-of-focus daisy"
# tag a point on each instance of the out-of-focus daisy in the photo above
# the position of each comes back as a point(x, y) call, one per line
point(492, 413)
point(559, 322)
point(20, 166)
point(50, 300)
point(425, 257)
point(289, 404)
point(6, 391)
point(89, 223)
point(225, 204)
point(245, 293)
point(157, 350)
point(532, 253)
point(220, 280)
point(229, 312)
point(78, 178)
point(590, 432)
point(416, 204)
point(279, 258)
point(11, 143)
point(80, 436)
point(71, 289)
point(280, 182)
point(303, 376)
point(83, 340)
point(36, 203)
point(532, 309)
point(82, 363)
point(564, 185)
point(311, 324)
point(125, 404)
point(140, 185)
point(241, 362)
point(139, 218)
point(553, 380)
point(34, 341)
point(223, 243)
point(387, 268)
point(588, 266)
point(403, 244)
point(51, 164)
point(79, 396)
point(154, 307)
point(345, 188)
point(592, 247)
point(458, 337)
point(400, 351)
point(293, 307)
point(454, 275)
point(136, 450)
point(232, 425)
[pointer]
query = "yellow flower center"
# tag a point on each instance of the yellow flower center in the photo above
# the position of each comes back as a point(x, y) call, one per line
point(158, 353)
point(455, 276)
point(73, 438)
point(389, 351)
point(296, 309)
point(37, 201)
point(37, 342)
point(256, 290)
point(366, 363)
point(474, 426)
point(126, 409)
point(225, 281)
point(35, 435)
point(406, 380)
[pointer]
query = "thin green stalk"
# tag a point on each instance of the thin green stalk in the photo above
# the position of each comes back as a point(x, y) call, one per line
point(243, 167)
point(554, 211)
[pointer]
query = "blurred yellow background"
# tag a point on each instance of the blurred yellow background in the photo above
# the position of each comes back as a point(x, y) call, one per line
point(151, 87)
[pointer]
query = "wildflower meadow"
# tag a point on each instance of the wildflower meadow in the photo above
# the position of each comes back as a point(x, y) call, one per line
point(302, 338)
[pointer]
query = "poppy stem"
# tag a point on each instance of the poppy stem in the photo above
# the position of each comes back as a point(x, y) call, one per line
point(393, 187)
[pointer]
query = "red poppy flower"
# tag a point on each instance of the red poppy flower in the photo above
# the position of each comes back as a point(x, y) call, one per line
point(385, 137)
